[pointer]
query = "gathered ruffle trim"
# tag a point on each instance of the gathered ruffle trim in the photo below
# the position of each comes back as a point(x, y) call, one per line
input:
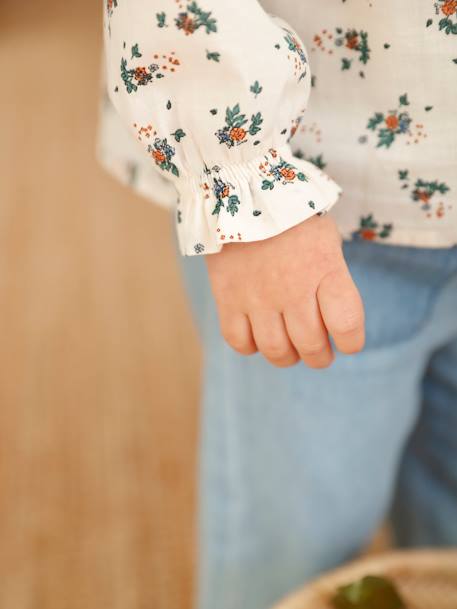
point(250, 201)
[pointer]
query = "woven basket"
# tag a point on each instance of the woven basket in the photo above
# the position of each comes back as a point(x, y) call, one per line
point(426, 579)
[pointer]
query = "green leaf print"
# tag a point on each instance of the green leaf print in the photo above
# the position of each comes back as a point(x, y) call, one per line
point(194, 19)
point(318, 161)
point(178, 135)
point(392, 124)
point(256, 121)
point(213, 56)
point(386, 137)
point(135, 51)
point(447, 26)
point(256, 88)
point(162, 153)
point(448, 11)
point(355, 41)
point(223, 195)
point(127, 76)
point(232, 205)
point(424, 191)
point(375, 121)
point(276, 170)
point(161, 20)
point(141, 76)
point(364, 49)
point(234, 133)
point(370, 230)
point(234, 118)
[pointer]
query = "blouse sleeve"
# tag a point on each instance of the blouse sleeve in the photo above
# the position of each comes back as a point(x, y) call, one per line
point(214, 90)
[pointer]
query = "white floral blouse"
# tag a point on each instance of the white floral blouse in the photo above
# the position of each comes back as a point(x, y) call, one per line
point(215, 92)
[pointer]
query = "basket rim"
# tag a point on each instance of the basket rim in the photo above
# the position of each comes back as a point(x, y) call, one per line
point(373, 565)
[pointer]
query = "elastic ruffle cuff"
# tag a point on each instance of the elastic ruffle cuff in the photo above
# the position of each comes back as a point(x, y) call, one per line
point(250, 201)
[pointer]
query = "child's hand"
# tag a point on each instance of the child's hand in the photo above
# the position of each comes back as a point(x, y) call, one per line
point(284, 295)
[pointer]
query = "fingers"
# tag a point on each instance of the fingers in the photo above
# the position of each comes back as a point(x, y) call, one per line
point(236, 330)
point(271, 338)
point(309, 335)
point(342, 310)
point(303, 333)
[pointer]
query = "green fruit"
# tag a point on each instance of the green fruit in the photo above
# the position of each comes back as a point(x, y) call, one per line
point(371, 592)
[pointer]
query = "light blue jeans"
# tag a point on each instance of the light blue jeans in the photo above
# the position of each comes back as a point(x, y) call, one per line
point(299, 467)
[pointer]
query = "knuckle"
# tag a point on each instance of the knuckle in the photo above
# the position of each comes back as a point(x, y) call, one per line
point(350, 323)
point(276, 351)
point(279, 354)
point(313, 350)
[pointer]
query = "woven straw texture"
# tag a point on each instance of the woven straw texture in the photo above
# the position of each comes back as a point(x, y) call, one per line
point(426, 580)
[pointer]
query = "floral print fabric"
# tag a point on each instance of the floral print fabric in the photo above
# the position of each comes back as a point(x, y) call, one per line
point(381, 118)
point(214, 101)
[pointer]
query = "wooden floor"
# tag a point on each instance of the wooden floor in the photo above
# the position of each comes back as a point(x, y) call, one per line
point(97, 411)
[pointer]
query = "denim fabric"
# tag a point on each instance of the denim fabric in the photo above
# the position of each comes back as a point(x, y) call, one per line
point(299, 467)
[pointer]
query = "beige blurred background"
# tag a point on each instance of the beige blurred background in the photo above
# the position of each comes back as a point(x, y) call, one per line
point(98, 413)
point(99, 361)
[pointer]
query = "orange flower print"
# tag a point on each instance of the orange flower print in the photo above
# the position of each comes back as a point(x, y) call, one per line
point(352, 41)
point(447, 10)
point(159, 156)
point(163, 153)
point(427, 193)
point(237, 134)
point(296, 124)
point(288, 173)
point(299, 55)
point(225, 192)
point(223, 197)
point(186, 23)
point(370, 230)
point(352, 44)
point(423, 196)
point(368, 234)
point(449, 7)
point(194, 18)
point(234, 133)
point(140, 76)
point(392, 122)
point(282, 172)
point(110, 6)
